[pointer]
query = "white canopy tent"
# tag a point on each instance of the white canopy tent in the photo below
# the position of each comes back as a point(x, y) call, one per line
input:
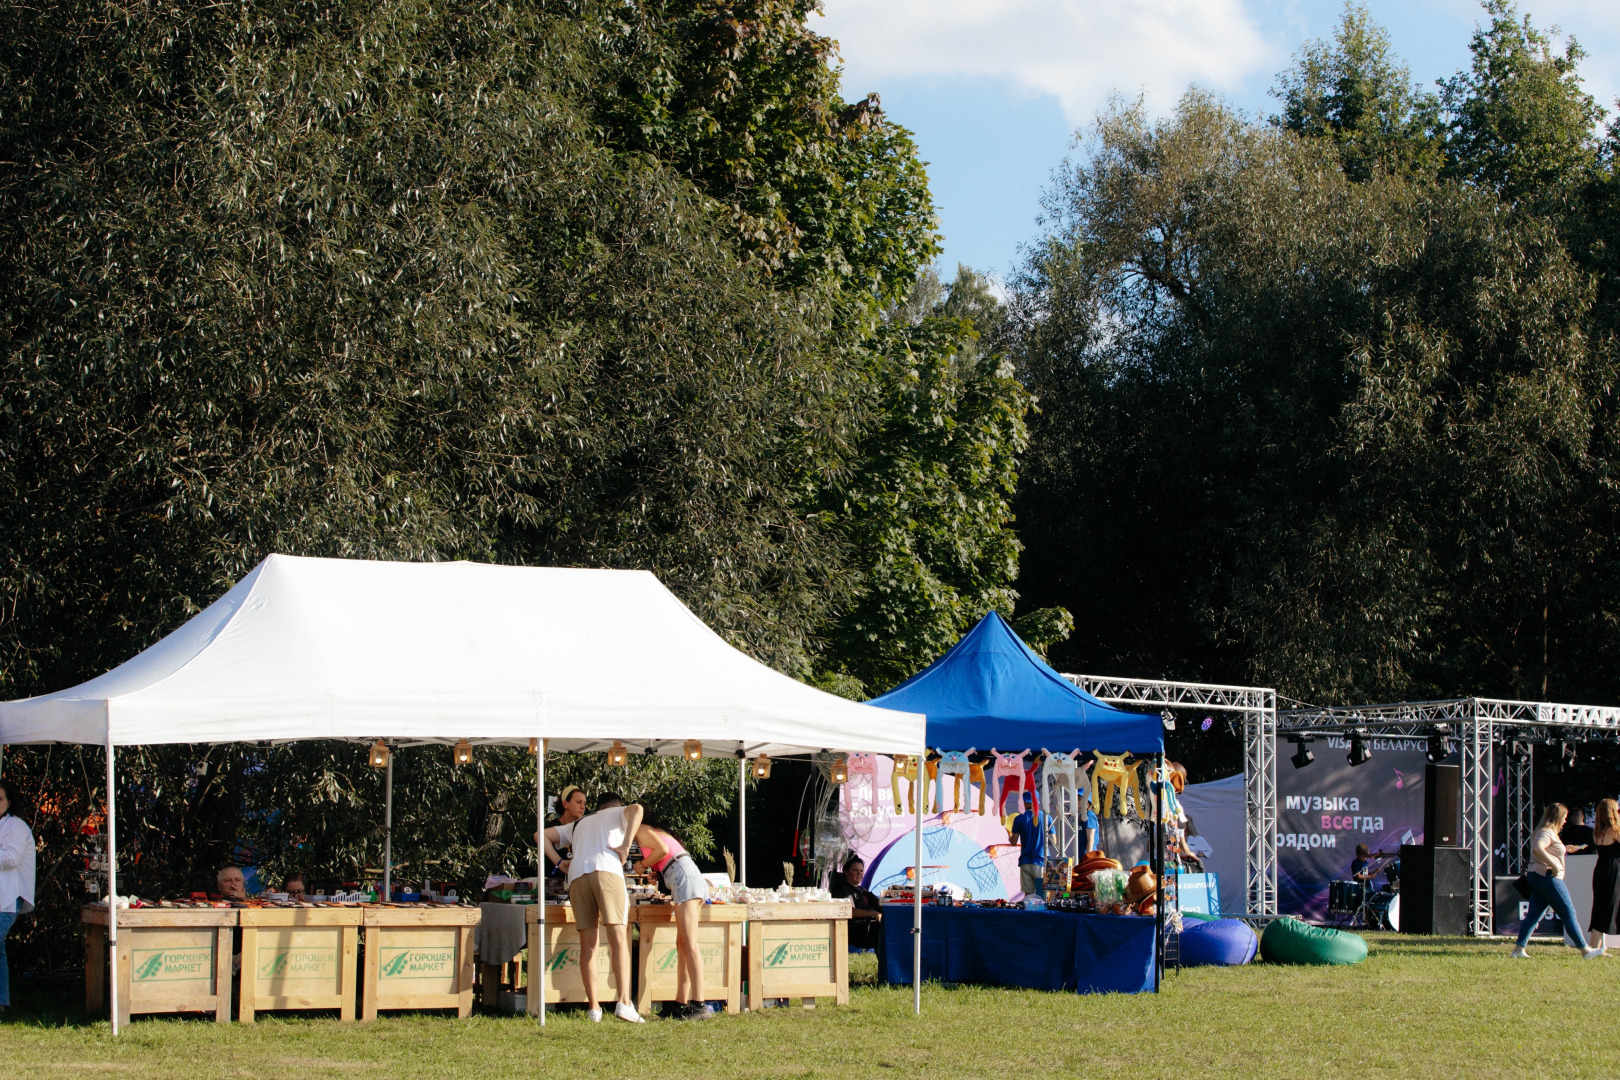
point(307, 648)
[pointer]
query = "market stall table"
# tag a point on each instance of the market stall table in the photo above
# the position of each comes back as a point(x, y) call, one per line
point(720, 932)
point(798, 950)
point(418, 958)
point(170, 960)
point(1043, 950)
point(298, 958)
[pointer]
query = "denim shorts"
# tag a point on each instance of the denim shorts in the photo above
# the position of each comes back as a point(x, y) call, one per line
point(684, 881)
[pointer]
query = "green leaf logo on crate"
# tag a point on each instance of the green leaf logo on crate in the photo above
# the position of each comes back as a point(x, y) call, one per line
point(297, 963)
point(563, 956)
point(799, 953)
point(418, 963)
point(168, 965)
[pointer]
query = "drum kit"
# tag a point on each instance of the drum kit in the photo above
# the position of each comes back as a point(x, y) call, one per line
point(1358, 904)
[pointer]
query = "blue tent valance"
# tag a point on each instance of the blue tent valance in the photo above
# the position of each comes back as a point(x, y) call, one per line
point(992, 690)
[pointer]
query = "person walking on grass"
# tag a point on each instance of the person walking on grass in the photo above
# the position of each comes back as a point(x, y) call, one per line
point(1606, 874)
point(601, 843)
point(16, 876)
point(1547, 888)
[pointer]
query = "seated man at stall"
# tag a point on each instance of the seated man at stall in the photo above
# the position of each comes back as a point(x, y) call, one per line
point(231, 883)
point(866, 921)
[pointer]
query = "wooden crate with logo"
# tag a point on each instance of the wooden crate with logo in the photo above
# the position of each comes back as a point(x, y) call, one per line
point(563, 982)
point(798, 951)
point(720, 933)
point(170, 960)
point(418, 958)
point(298, 958)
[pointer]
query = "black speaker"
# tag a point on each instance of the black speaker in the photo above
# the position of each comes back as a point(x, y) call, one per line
point(1436, 896)
point(1442, 810)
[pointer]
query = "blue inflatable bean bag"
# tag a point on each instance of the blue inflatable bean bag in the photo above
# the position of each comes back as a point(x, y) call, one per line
point(1289, 941)
point(1217, 943)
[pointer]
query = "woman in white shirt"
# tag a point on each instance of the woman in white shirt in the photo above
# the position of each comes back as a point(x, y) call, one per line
point(1547, 888)
point(16, 876)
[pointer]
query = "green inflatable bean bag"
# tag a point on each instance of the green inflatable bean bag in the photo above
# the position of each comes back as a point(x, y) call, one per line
point(1289, 941)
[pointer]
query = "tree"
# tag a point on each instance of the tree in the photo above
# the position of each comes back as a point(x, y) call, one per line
point(1519, 122)
point(1356, 94)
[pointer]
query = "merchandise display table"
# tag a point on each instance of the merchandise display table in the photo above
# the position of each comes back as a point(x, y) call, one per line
point(720, 933)
point(563, 983)
point(298, 958)
point(418, 958)
point(170, 960)
point(1043, 950)
point(798, 951)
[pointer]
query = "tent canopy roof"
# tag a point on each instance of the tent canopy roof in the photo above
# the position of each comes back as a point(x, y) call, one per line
point(308, 648)
point(992, 690)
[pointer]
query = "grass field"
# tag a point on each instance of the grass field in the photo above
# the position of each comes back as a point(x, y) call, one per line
point(1417, 1008)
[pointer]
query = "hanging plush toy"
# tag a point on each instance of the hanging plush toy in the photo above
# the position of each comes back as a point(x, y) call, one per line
point(1062, 771)
point(1164, 785)
point(976, 776)
point(862, 765)
point(1008, 776)
point(1115, 771)
point(952, 763)
point(905, 768)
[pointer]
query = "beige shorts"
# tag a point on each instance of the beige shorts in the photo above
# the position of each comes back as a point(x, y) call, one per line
point(599, 896)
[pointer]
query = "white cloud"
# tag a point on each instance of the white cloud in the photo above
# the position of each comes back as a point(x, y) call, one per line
point(1078, 51)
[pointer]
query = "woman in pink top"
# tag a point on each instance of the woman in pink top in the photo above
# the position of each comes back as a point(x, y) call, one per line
point(666, 856)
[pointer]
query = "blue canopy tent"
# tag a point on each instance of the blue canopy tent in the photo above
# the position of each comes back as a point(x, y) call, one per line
point(992, 690)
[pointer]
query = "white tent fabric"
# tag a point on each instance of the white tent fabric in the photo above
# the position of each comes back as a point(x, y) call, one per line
point(345, 649)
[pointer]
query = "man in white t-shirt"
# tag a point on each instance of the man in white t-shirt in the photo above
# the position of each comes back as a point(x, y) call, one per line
point(601, 843)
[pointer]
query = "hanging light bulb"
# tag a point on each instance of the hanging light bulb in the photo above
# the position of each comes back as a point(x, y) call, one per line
point(692, 750)
point(762, 768)
point(463, 752)
point(617, 754)
point(840, 768)
point(534, 747)
point(379, 755)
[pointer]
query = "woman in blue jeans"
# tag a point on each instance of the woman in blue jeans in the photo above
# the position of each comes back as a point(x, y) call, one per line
point(16, 876)
point(1547, 889)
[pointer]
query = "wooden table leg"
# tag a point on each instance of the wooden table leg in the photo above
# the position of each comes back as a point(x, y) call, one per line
point(733, 968)
point(222, 975)
point(351, 948)
point(532, 978)
point(642, 966)
point(247, 996)
point(756, 976)
point(95, 969)
point(368, 993)
point(464, 975)
point(490, 995)
point(841, 960)
point(124, 970)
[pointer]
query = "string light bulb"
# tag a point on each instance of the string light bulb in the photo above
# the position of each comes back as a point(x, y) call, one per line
point(379, 755)
point(463, 753)
point(762, 768)
point(534, 747)
point(692, 750)
point(840, 768)
point(617, 754)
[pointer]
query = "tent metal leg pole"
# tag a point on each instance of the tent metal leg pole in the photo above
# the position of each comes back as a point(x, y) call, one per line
point(742, 821)
point(112, 891)
point(388, 831)
point(539, 962)
point(916, 893)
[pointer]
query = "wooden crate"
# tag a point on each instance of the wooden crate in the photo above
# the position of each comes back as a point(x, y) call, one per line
point(798, 951)
point(170, 960)
point(418, 958)
point(720, 933)
point(298, 958)
point(563, 982)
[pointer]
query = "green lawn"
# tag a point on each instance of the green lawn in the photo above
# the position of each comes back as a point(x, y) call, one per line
point(1418, 1007)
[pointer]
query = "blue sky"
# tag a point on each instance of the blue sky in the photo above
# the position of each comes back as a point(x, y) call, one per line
point(996, 89)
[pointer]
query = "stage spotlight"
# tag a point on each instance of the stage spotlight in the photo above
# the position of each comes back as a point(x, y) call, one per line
point(1359, 754)
point(1302, 756)
point(1439, 748)
point(1169, 719)
point(1569, 754)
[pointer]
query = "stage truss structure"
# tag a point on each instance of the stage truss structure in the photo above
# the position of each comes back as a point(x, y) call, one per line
point(1480, 726)
point(1258, 707)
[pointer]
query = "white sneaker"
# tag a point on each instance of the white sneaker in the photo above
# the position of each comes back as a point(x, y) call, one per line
point(1593, 953)
point(595, 1016)
point(627, 1012)
point(1518, 953)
